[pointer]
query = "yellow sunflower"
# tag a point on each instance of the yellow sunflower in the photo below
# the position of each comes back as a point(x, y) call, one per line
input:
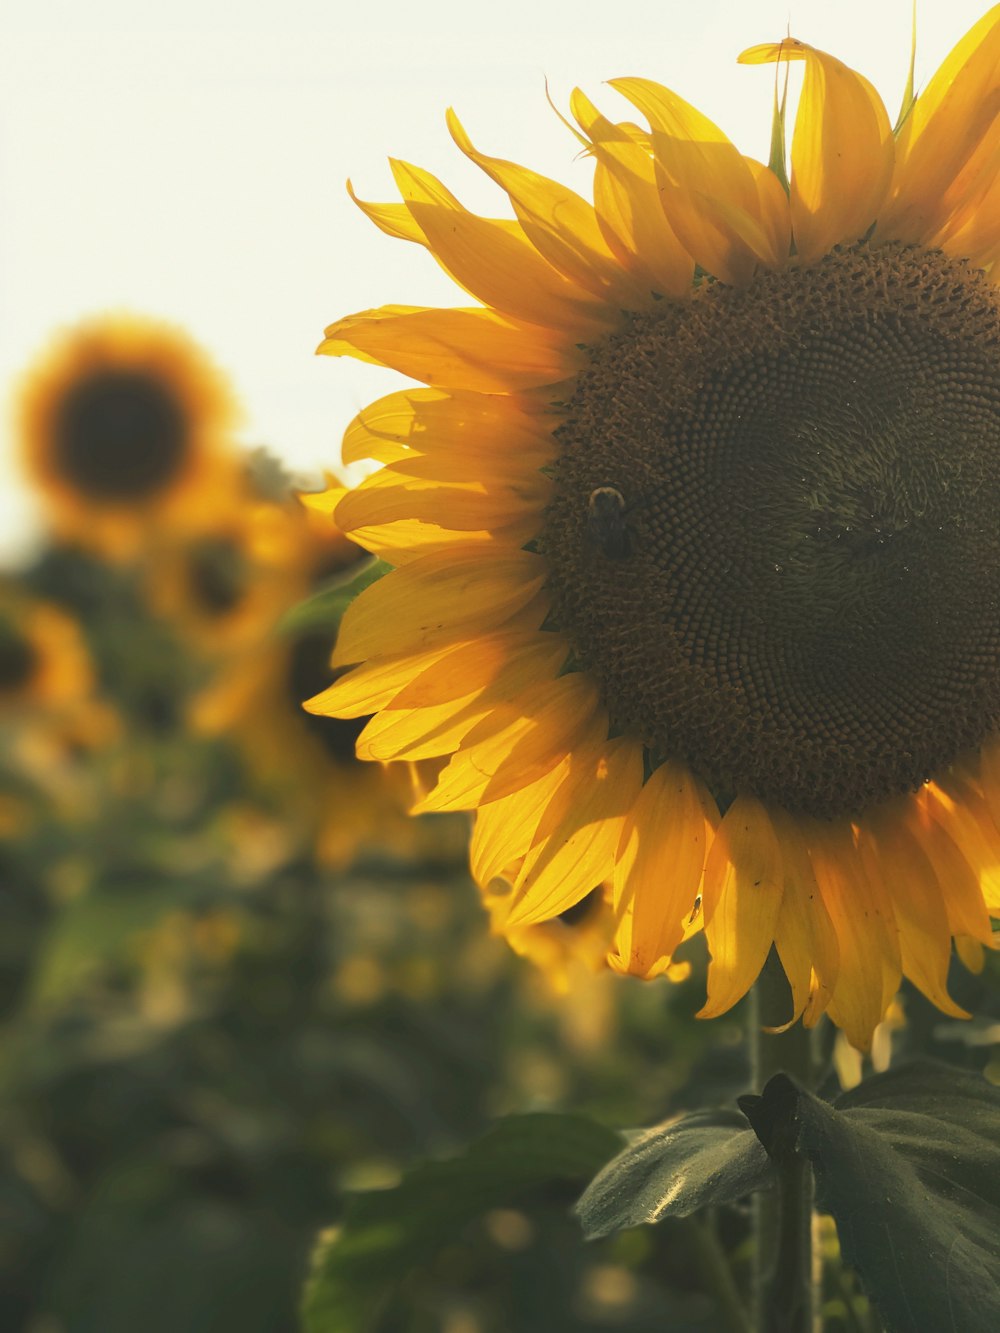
point(306, 763)
point(48, 693)
point(44, 663)
point(227, 586)
point(126, 429)
point(695, 527)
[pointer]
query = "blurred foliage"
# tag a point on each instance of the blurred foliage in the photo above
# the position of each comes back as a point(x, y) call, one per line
point(216, 1035)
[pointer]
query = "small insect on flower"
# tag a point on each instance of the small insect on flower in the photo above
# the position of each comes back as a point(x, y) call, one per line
point(606, 523)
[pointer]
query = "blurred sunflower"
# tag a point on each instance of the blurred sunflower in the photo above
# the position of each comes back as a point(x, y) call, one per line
point(227, 586)
point(126, 430)
point(48, 692)
point(698, 560)
point(307, 762)
point(44, 661)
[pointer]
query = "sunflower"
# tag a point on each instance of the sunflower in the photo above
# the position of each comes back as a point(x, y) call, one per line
point(126, 430)
point(44, 663)
point(227, 586)
point(697, 579)
point(306, 764)
point(49, 705)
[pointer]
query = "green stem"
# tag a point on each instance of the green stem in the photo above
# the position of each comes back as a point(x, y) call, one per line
point(717, 1276)
point(783, 1218)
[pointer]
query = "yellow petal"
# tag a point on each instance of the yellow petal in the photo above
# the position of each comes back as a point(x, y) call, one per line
point(504, 829)
point(463, 349)
point(709, 192)
point(963, 898)
point(521, 740)
point(370, 687)
point(561, 225)
point(578, 834)
point(971, 954)
point(383, 430)
point(435, 600)
point(627, 200)
point(867, 938)
point(659, 868)
point(493, 259)
point(943, 132)
point(744, 885)
point(488, 659)
point(409, 540)
point(421, 733)
point(890, 852)
point(471, 506)
point(803, 934)
point(842, 150)
point(956, 802)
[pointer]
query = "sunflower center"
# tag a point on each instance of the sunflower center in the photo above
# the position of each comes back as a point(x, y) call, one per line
point(119, 436)
point(18, 657)
point(775, 537)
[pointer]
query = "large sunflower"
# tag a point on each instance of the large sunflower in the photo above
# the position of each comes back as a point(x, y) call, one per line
point(126, 428)
point(695, 527)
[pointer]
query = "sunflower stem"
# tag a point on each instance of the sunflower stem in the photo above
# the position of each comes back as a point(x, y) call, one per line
point(783, 1218)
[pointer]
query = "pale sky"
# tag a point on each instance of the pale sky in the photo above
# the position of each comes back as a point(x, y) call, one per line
point(187, 160)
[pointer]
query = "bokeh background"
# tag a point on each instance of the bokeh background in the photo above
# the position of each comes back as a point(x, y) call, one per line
point(237, 983)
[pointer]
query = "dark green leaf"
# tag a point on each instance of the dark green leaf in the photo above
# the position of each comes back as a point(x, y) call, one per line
point(908, 1164)
point(388, 1232)
point(325, 608)
point(692, 1162)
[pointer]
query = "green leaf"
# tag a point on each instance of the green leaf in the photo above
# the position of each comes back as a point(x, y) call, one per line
point(326, 607)
point(908, 1164)
point(387, 1233)
point(691, 1162)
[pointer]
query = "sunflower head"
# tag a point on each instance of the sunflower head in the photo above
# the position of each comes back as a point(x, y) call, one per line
point(124, 423)
point(44, 662)
point(697, 566)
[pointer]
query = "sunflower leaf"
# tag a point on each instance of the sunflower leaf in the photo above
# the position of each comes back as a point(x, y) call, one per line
point(326, 607)
point(697, 1161)
point(386, 1233)
point(908, 1164)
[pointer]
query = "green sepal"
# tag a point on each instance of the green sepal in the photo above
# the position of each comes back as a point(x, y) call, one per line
point(324, 610)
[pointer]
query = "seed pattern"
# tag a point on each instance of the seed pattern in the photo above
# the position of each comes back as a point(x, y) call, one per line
point(810, 608)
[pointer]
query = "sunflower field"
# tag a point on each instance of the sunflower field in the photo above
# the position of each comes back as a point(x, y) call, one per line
point(550, 884)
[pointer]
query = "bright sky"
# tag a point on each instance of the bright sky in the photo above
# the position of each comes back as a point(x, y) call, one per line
point(187, 160)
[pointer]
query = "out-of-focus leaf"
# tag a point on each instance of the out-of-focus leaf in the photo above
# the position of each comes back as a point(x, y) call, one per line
point(672, 1170)
point(99, 928)
point(325, 608)
point(908, 1164)
point(387, 1232)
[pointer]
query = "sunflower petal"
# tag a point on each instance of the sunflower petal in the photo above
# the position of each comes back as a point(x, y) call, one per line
point(744, 886)
point(578, 834)
point(504, 829)
point(524, 737)
point(803, 934)
point(435, 600)
point(561, 225)
point(627, 200)
point(890, 852)
point(945, 130)
point(463, 349)
point(659, 868)
point(492, 258)
point(866, 932)
point(835, 194)
point(709, 192)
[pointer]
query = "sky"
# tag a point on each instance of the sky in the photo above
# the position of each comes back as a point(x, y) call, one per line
point(188, 162)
